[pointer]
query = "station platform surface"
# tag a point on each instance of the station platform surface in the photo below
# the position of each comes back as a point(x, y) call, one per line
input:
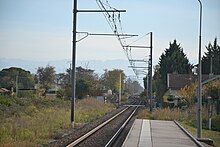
point(157, 133)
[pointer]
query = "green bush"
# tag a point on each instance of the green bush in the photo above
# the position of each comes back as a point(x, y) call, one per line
point(26, 93)
point(4, 100)
point(31, 110)
point(168, 105)
point(60, 94)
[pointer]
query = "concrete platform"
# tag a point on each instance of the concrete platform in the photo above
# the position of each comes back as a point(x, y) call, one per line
point(156, 133)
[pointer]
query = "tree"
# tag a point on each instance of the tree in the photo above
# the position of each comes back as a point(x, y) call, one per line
point(87, 82)
point(212, 89)
point(110, 79)
point(211, 92)
point(133, 87)
point(158, 86)
point(212, 55)
point(66, 84)
point(89, 76)
point(8, 78)
point(59, 78)
point(82, 88)
point(172, 61)
point(189, 93)
point(46, 76)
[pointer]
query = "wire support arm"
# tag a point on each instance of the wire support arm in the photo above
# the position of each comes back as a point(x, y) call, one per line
point(132, 60)
point(136, 46)
point(103, 34)
point(137, 67)
point(96, 11)
point(108, 34)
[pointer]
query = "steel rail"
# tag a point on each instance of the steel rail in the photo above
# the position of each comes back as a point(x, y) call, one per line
point(112, 140)
point(76, 142)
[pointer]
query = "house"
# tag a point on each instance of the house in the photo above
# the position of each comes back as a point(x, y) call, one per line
point(175, 82)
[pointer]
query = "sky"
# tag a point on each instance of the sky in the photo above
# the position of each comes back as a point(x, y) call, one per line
point(41, 30)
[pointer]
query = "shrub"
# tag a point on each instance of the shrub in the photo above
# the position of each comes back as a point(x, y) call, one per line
point(4, 100)
point(144, 114)
point(168, 105)
point(60, 94)
point(31, 110)
point(26, 93)
point(169, 114)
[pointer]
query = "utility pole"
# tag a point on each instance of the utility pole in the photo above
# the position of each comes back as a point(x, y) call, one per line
point(73, 74)
point(150, 66)
point(150, 69)
point(147, 84)
point(73, 63)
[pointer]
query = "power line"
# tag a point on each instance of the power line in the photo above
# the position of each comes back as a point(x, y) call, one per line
point(115, 23)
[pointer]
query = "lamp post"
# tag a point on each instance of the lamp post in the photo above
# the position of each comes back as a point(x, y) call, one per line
point(199, 129)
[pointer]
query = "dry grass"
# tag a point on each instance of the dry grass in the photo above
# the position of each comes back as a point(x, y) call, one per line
point(144, 114)
point(174, 114)
point(90, 109)
point(29, 130)
point(163, 114)
point(35, 126)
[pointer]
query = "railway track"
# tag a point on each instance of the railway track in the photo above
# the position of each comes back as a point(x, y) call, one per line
point(107, 133)
point(114, 131)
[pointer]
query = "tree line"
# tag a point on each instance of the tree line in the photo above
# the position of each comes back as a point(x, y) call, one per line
point(87, 81)
point(173, 60)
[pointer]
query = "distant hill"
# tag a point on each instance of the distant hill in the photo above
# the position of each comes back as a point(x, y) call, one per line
point(62, 65)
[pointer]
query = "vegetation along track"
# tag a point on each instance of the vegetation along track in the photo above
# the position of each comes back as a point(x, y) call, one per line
point(107, 133)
